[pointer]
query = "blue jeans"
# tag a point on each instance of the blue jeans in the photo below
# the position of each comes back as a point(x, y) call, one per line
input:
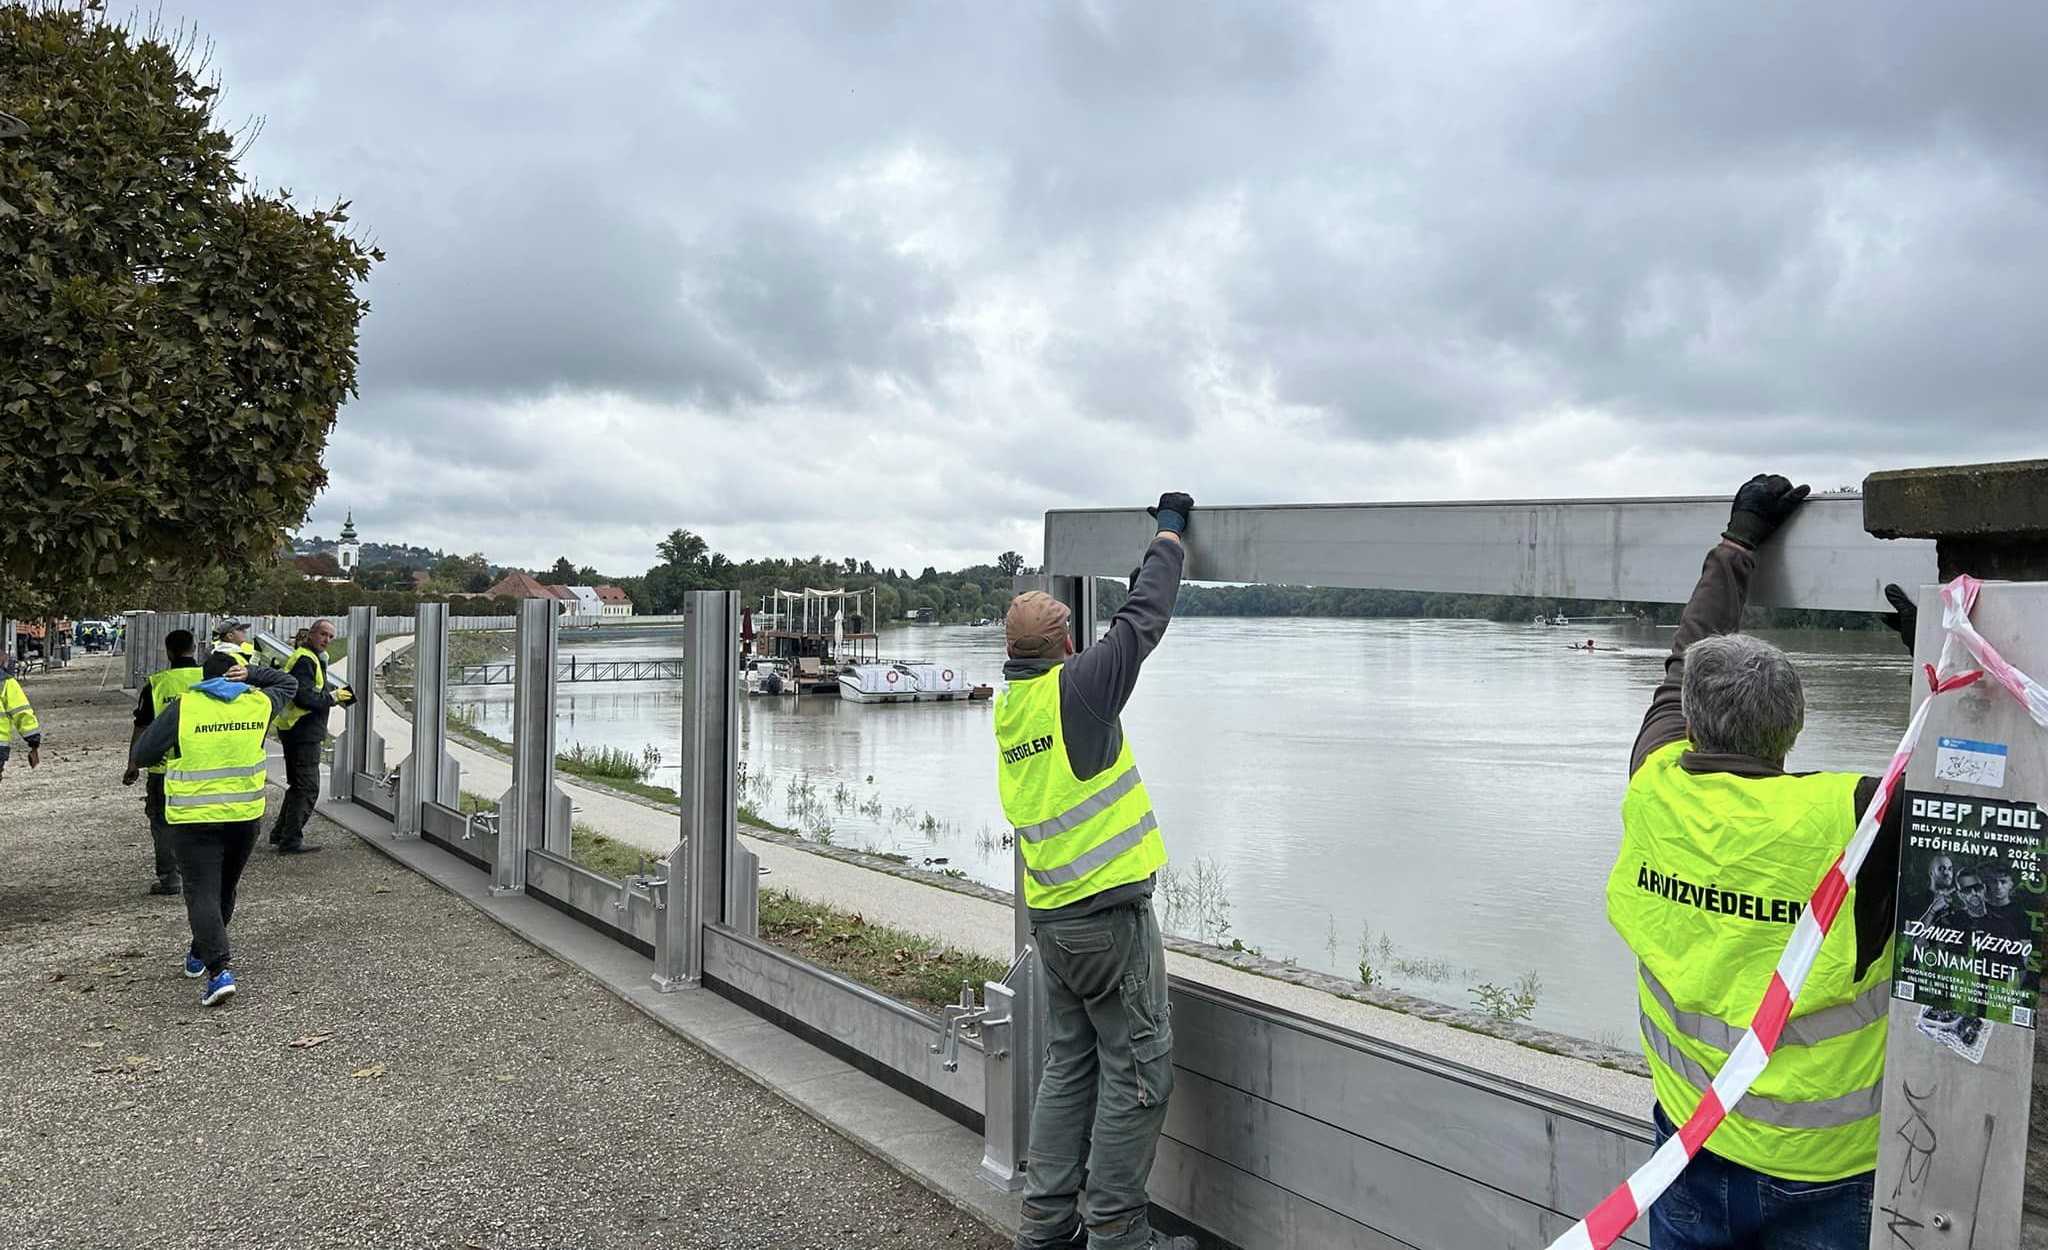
point(1718, 1205)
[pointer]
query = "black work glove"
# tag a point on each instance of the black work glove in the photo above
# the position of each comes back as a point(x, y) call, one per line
point(1173, 510)
point(1904, 618)
point(1761, 506)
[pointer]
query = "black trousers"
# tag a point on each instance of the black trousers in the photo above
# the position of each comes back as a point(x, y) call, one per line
point(160, 829)
point(302, 789)
point(212, 857)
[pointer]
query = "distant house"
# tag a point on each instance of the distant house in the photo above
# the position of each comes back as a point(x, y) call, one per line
point(521, 585)
point(580, 600)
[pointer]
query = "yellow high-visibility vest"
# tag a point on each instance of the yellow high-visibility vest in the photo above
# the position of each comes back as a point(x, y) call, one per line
point(293, 713)
point(1714, 872)
point(217, 771)
point(1078, 837)
point(166, 685)
point(16, 716)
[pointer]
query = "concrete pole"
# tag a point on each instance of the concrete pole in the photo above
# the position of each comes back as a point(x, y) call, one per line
point(1963, 1155)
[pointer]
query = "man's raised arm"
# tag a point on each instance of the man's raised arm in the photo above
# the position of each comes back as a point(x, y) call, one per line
point(1761, 506)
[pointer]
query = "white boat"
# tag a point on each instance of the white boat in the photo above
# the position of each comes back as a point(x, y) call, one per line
point(905, 681)
point(770, 677)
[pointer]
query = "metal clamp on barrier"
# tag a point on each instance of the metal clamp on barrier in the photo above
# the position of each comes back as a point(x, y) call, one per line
point(961, 1017)
point(486, 822)
point(645, 882)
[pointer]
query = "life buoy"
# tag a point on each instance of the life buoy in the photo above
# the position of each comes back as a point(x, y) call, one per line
point(949, 674)
point(891, 675)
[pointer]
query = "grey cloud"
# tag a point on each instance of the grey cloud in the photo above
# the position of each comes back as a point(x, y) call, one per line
point(1814, 231)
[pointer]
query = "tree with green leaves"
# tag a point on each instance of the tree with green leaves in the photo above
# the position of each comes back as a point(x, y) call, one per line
point(682, 548)
point(174, 343)
point(1010, 563)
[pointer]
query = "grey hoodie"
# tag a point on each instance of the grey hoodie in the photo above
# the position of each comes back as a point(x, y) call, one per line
point(1096, 682)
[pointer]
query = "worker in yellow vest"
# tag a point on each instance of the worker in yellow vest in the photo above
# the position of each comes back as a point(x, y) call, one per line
point(1091, 847)
point(17, 718)
point(158, 689)
point(301, 732)
point(211, 741)
point(1721, 848)
point(235, 632)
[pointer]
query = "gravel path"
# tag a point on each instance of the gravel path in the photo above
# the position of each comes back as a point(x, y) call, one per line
point(469, 1090)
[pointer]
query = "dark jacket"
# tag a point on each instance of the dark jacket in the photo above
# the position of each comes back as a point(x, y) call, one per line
point(145, 706)
point(313, 697)
point(161, 738)
point(1716, 608)
point(1097, 681)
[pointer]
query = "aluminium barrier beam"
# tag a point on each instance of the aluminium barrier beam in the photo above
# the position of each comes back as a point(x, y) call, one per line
point(429, 774)
point(1626, 550)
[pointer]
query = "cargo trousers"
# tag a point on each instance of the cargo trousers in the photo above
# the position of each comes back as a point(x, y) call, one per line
point(1108, 1074)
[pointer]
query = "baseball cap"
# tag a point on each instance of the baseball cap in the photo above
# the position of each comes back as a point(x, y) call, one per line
point(1036, 626)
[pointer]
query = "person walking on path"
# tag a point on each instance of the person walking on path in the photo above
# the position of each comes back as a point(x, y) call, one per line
point(301, 731)
point(210, 740)
point(1091, 846)
point(161, 687)
point(1721, 848)
point(17, 719)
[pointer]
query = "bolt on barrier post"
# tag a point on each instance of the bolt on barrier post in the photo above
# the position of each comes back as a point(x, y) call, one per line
point(701, 867)
point(529, 814)
point(429, 774)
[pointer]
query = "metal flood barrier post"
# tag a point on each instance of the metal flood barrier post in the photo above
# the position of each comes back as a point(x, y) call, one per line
point(533, 813)
point(429, 775)
point(703, 860)
point(358, 774)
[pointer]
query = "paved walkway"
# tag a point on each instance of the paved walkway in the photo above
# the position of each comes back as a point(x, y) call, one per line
point(976, 924)
point(467, 1090)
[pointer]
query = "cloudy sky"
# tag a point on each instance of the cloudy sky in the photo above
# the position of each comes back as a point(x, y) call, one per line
point(892, 279)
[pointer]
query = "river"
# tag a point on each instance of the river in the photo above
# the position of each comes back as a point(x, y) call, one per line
point(1444, 793)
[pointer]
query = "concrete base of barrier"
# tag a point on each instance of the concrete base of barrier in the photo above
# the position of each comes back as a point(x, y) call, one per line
point(916, 1140)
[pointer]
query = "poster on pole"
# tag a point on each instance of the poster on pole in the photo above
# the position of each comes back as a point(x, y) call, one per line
point(1970, 903)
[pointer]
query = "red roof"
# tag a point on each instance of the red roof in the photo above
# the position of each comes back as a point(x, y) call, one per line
point(612, 594)
point(520, 585)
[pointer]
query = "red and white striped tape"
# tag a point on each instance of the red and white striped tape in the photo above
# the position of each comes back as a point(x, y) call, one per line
point(1605, 1224)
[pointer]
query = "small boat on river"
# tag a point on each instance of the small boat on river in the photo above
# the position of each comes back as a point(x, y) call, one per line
point(903, 681)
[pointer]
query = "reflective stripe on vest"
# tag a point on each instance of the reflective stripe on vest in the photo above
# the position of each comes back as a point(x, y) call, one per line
point(1712, 871)
point(1839, 1111)
point(16, 716)
point(218, 769)
point(1078, 838)
point(293, 713)
point(167, 684)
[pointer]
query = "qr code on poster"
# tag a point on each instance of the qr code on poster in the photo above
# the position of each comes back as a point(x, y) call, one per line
point(1903, 991)
point(2023, 1017)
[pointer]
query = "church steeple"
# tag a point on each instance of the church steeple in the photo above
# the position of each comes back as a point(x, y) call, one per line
point(348, 553)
